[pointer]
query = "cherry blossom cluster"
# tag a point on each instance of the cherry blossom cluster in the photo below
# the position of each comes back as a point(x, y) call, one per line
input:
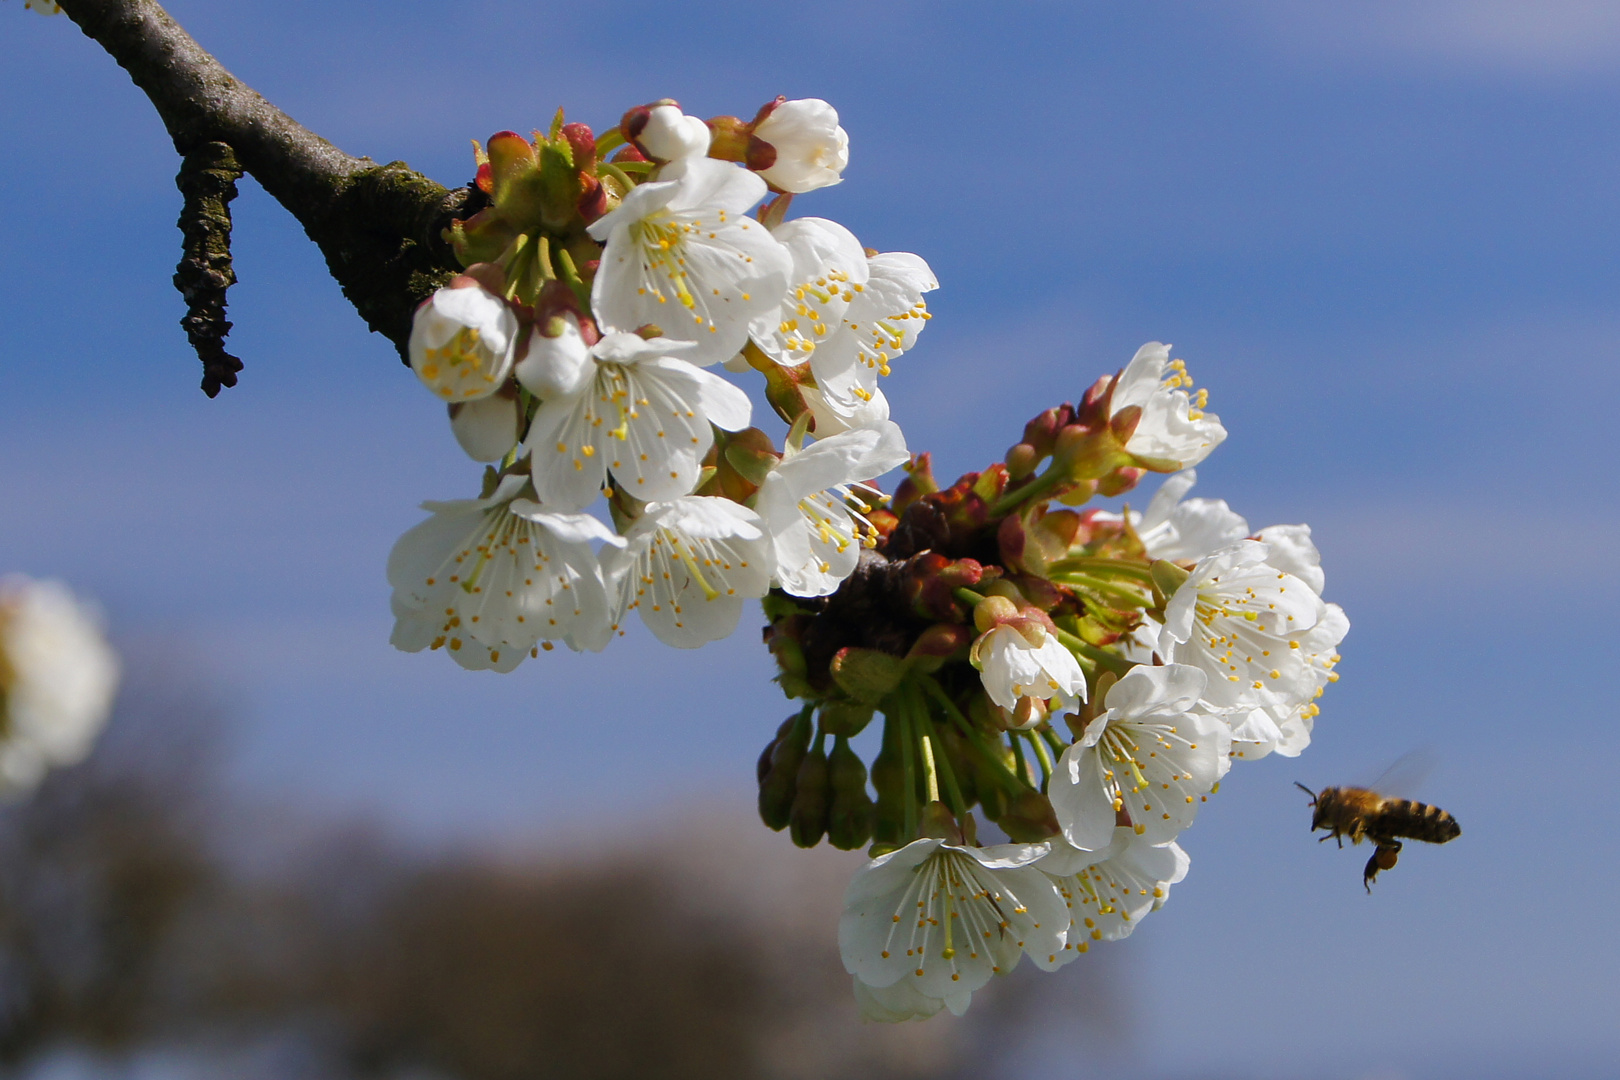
point(57, 679)
point(1062, 690)
point(606, 278)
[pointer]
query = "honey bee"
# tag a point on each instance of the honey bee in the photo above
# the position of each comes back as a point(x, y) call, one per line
point(1364, 814)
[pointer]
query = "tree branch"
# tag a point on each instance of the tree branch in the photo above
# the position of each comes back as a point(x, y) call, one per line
point(379, 226)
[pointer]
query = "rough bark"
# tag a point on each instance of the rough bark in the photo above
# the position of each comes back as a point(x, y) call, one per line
point(379, 226)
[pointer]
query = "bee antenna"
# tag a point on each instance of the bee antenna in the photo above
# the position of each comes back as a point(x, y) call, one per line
point(1306, 790)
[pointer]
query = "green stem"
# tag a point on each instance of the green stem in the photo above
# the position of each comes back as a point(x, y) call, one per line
point(1107, 567)
point(908, 768)
point(925, 743)
point(1022, 767)
point(607, 142)
point(617, 174)
point(1105, 588)
point(968, 597)
point(1087, 651)
point(1041, 755)
point(543, 258)
point(994, 763)
point(947, 772)
point(570, 274)
point(1043, 483)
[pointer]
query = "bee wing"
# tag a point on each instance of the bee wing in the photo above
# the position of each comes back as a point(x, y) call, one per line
point(1402, 779)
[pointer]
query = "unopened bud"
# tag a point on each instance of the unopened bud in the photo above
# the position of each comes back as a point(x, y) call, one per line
point(777, 789)
point(845, 719)
point(889, 781)
point(992, 611)
point(808, 148)
point(849, 821)
point(807, 820)
point(1029, 818)
point(669, 135)
point(1021, 460)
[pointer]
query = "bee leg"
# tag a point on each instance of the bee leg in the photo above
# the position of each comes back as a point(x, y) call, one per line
point(1383, 858)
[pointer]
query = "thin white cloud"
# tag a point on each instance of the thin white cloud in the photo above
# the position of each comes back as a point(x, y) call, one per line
point(1537, 37)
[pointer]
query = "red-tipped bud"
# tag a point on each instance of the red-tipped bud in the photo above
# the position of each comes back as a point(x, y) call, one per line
point(940, 641)
point(1041, 432)
point(582, 141)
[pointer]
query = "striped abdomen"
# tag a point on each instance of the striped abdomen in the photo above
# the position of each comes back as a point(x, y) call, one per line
point(1415, 820)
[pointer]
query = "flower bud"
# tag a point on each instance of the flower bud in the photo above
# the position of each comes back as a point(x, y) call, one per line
point(664, 133)
point(939, 642)
point(812, 796)
point(845, 719)
point(582, 142)
point(992, 611)
point(889, 781)
point(849, 820)
point(1021, 460)
point(1040, 434)
point(488, 427)
point(763, 767)
point(1029, 818)
point(463, 339)
point(778, 788)
point(811, 150)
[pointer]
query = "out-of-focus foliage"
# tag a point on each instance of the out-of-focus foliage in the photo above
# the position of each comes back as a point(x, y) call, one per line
point(143, 911)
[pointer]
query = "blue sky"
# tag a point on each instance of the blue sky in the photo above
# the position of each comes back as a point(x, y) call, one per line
point(1383, 236)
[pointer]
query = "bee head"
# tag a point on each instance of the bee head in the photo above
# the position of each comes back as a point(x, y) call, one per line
point(1316, 801)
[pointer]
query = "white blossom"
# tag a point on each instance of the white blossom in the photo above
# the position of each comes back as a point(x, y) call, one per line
point(836, 417)
point(1173, 429)
point(1110, 890)
point(488, 579)
point(463, 339)
point(681, 254)
point(487, 427)
point(671, 135)
point(829, 266)
point(901, 1002)
point(1288, 731)
point(946, 919)
point(815, 537)
point(44, 7)
point(812, 151)
point(1176, 528)
point(1028, 661)
point(883, 320)
point(57, 679)
point(637, 412)
point(687, 567)
point(1261, 634)
point(1152, 755)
